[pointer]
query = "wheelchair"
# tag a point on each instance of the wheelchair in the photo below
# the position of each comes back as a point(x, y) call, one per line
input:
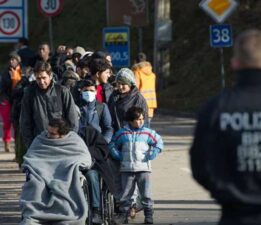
point(86, 192)
point(85, 189)
point(106, 202)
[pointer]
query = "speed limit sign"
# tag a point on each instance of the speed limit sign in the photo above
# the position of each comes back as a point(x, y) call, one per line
point(9, 22)
point(13, 20)
point(50, 7)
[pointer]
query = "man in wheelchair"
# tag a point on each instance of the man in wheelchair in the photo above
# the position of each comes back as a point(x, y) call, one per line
point(100, 177)
point(52, 193)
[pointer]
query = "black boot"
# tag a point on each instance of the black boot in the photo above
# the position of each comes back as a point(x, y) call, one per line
point(96, 216)
point(148, 213)
point(121, 218)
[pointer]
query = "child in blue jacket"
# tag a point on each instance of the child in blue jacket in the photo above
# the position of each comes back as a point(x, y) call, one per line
point(135, 146)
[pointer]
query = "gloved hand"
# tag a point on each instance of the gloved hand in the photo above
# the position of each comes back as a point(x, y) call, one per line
point(116, 154)
point(152, 154)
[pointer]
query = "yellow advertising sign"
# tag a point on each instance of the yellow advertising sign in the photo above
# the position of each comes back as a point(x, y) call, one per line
point(115, 38)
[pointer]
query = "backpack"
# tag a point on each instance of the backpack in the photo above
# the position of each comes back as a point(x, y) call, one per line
point(99, 108)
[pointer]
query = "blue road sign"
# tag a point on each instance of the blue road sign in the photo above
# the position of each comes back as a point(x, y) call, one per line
point(116, 41)
point(220, 35)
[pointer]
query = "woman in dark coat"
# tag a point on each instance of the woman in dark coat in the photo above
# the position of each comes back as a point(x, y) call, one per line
point(125, 96)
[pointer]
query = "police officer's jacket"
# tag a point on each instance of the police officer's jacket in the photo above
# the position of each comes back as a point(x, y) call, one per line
point(226, 151)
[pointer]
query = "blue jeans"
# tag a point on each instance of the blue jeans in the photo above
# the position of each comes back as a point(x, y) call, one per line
point(92, 177)
point(129, 181)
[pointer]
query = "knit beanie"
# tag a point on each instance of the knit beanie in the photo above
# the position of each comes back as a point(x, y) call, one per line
point(78, 50)
point(126, 76)
point(15, 56)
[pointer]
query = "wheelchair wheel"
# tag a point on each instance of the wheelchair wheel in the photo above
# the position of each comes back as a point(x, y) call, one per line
point(86, 192)
point(108, 209)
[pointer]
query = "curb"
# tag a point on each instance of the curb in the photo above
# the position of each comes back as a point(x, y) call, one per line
point(170, 112)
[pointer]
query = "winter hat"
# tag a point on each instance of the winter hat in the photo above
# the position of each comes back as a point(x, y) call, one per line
point(69, 65)
point(79, 50)
point(69, 74)
point(14, 55)
point(126, 76)
point(86, 54)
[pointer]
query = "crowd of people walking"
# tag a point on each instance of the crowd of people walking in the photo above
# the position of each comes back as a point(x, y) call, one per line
point(81, 87)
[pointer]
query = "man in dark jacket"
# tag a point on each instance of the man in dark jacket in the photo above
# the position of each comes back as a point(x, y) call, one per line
point(24, 52)
point(96, 115)
point(225, 155)
point(44, 100)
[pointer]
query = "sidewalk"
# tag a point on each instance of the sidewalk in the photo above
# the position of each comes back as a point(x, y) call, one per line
point(176, 131)
point(178, 199)
point(11, 181)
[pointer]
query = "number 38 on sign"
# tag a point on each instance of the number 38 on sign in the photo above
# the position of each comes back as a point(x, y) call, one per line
point(220, 35)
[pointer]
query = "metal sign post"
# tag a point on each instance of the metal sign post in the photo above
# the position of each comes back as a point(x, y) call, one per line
point(223, 81)
point(50, 32)
point(220, 37)
point(140, 45)
point(50, 8)
point(220, 34)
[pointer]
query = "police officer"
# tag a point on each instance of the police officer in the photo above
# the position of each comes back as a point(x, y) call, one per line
point(226, 151)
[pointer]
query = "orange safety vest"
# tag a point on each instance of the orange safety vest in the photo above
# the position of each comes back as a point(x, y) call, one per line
point(146, 83)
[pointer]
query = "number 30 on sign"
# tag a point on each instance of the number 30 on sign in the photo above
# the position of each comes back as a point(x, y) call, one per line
point(220, 35)
point(50, 7)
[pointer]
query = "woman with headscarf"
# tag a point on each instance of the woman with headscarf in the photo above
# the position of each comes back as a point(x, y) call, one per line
point(125, 96)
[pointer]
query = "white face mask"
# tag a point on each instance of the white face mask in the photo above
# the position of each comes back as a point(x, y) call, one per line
point(88, 96)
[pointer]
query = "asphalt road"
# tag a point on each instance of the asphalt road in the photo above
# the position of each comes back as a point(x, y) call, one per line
point(178, 199)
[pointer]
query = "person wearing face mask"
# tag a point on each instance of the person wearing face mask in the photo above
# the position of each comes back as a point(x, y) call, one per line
point(94, 115)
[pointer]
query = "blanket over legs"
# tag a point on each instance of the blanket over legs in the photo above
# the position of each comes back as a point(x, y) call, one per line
point(53, 193)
